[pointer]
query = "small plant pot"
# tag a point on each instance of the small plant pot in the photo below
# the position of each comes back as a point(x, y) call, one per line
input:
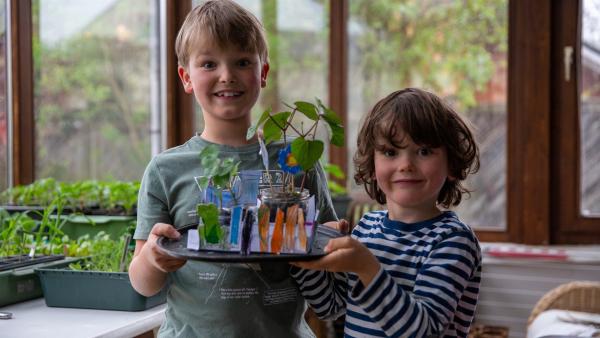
point(21, 283)
point(80, 225)
point(94, 290)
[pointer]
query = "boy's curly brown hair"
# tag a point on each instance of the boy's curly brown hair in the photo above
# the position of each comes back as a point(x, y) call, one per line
point(429, 121)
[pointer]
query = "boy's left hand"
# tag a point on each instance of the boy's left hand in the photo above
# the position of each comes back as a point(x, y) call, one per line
point(345, 254)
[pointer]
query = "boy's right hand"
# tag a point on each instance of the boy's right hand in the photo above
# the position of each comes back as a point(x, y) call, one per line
point(155, 255)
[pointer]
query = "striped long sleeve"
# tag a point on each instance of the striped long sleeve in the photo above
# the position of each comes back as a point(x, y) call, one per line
point(427, 284)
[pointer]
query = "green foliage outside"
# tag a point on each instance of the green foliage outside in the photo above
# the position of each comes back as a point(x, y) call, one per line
point(335, 172)
point(92, 97)
point(445, 46)
point(92, 89)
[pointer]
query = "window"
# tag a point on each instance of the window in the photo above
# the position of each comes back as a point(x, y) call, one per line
point(576, 122)
point(539, 181)
point(95, 82)
point(4, 175)
point(590, 109)
point(439, 46)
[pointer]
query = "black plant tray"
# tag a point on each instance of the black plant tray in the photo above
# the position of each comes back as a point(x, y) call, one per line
point(178, 248)
point(18, 261)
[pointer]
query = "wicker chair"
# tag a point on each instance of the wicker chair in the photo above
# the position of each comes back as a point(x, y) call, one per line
point(582, 296)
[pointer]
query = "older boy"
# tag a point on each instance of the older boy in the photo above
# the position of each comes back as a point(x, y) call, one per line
point(222, 57)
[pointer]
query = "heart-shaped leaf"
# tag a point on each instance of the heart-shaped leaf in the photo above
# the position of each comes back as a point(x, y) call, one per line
point(307, 152)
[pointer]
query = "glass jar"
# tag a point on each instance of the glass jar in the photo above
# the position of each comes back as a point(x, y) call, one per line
point(286, 229)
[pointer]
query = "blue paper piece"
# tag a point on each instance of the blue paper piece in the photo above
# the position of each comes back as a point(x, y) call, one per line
point(249, 182)
point(236, 215)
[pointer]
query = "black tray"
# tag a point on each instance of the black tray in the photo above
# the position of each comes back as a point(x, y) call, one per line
point(178, 248)
point(18, 261)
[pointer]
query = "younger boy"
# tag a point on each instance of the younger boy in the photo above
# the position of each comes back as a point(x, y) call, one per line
point(414, 269)
point(222, 57)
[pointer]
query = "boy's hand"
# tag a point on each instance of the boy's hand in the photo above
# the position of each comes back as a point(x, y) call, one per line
point(346, 254)
point(155, 255)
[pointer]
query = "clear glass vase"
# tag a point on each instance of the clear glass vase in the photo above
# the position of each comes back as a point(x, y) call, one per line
point(283, 226)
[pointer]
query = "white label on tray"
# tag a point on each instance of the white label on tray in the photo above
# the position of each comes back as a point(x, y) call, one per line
point(193, 239)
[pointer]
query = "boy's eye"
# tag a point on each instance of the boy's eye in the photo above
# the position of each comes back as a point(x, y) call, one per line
point(388, 152)
point(244, 63)
point(208, 65)
point(424, 151)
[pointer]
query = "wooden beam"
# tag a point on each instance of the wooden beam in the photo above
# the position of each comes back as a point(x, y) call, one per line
point(23, 118)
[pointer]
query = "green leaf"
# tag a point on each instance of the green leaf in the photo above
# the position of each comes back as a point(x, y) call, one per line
point(307, 152)
point(220, 181)
point(308, 109)
point(273, 127)
point(336, 189)
point(263, 117)
point(203, 181)
point(334, 170)
point(211, 229)
point(329, 115)
point(209, 159)
point(337, 135)
point(271, 132)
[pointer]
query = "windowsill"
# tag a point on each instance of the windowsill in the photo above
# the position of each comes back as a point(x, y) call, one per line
point(511, 252)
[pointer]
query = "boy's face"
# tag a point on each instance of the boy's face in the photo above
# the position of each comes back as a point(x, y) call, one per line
point(411, 176)
point(225, 81)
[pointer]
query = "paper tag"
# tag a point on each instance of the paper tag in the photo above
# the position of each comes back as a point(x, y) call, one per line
point(249, 186)
point(193, 241)
point(310, 210)
point(235, 226)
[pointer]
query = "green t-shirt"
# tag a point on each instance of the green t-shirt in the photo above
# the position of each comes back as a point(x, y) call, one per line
point(220, 299)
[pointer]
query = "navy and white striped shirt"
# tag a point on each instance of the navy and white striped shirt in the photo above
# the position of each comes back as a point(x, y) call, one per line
point(427, 285)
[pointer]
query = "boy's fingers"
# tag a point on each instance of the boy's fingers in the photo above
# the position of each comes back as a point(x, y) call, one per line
point(344, 226)
point(337, 243)
point(167, 230)
point(331, 224)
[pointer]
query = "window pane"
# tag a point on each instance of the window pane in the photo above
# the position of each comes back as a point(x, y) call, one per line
point(297, 35)
point(457, 49)
point(3, 102)
point(95, 65)
point(590, 109)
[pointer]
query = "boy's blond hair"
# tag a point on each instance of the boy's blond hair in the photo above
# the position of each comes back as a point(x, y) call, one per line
point(224, 23)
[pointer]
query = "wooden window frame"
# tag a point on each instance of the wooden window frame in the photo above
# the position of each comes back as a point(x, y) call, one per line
point(542, 131)
point(568, 226)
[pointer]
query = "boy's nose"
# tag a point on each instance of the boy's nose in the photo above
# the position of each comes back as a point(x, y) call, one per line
point(227, 76)
point(405, 164)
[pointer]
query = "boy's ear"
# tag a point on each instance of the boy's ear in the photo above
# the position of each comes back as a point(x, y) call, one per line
point(185, 79)
point(263, 75)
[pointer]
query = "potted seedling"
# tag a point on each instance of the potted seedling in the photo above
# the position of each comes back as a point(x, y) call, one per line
point(286, 204)
point(100, 281)
point(218, 195)
point(27, 243)
point(88, 197)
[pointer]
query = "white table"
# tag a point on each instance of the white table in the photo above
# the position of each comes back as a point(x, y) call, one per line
point(34, 319)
